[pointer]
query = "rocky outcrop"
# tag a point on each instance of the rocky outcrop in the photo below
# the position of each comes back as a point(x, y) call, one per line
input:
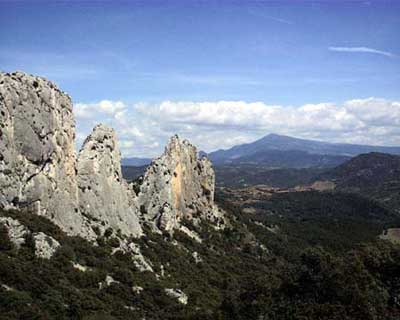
point(177, 294)
point(178, 186)
point(39, 170)
point(108, 281)
point(45, 246)
point(15, 230)
point(140, 262)
point(80, 267)
point(37, 153)
point(104, 196)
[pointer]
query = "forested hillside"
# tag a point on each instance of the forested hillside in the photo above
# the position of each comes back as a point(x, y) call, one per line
point(297, 256)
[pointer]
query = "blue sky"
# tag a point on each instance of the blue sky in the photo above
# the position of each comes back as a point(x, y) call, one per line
point(145, 53)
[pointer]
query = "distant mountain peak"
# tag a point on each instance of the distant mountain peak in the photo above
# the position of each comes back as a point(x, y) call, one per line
point(259, 151)
point(276, 135)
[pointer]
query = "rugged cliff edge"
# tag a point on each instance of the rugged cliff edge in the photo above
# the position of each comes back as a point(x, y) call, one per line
point(104, 196)
point(37, 154)
point(178, 186)
point(87, 195)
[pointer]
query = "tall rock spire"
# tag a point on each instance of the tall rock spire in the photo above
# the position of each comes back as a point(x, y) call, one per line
point(37, 153)
point(104, 196)
point(178, 186)
point(39, 169)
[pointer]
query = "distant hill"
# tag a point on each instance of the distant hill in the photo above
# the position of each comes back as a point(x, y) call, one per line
point(375, 175)
point(278, 151)
point(260, 152)
point(136, 162)
point(239, 176)
point(132, 172)
point(290, 159)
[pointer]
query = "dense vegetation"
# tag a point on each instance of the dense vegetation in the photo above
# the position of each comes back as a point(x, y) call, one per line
point(375, 175)
point(132, 172)
point(286, 159)
point(239, 176)
point(305, 255)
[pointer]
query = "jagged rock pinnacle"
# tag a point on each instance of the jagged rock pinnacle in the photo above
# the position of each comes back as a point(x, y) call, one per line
point(85, 196)
point(103, 193)
point(37, 153)
point(178, 186)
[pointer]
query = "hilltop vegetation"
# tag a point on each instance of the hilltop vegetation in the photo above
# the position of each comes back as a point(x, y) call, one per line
point(239, 176)
point(374, 175)
point(299, 256)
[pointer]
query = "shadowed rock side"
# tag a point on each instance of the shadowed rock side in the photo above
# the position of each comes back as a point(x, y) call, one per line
point(178, 185)
point(37, 155)
point(104, 196)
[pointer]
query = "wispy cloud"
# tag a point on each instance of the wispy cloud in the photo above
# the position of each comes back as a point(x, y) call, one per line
point(362, 50)
point(263, 15)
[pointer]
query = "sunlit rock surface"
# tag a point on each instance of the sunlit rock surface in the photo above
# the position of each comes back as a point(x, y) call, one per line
point(37, 153)
point(104, 196)
point(178, 186)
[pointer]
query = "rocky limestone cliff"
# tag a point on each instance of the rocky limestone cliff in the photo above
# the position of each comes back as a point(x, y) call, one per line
point(37, 154)
point(104, 196)
point(45, 246)
point(178, 185)
point(86, 196)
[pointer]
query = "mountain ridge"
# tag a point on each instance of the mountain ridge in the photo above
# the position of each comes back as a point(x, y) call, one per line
point(275, 142)
point(266, 151)
point(374, 175)
point(135, 161)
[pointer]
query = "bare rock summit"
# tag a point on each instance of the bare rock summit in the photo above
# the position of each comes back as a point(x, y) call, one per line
point(104, 196)
point(37, 152)
point(178, 185)
point(39, 168)
point(86, 195)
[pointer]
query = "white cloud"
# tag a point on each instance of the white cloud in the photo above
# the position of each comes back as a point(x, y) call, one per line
point(126, 144)
point(213, 125)
point(110, 107)
point(86, 111)
point(379, 112)
point(362, 50)
point(132, 132)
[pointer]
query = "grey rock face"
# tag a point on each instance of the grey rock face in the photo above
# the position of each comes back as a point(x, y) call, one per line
point(177, 294)
point(108, 281)
point(178, 185)
point(38, 165)
point(37, 155)
point(16, 231)
point(45, 246)
point(104, 196)
point(39, 170)
point(140, 262)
